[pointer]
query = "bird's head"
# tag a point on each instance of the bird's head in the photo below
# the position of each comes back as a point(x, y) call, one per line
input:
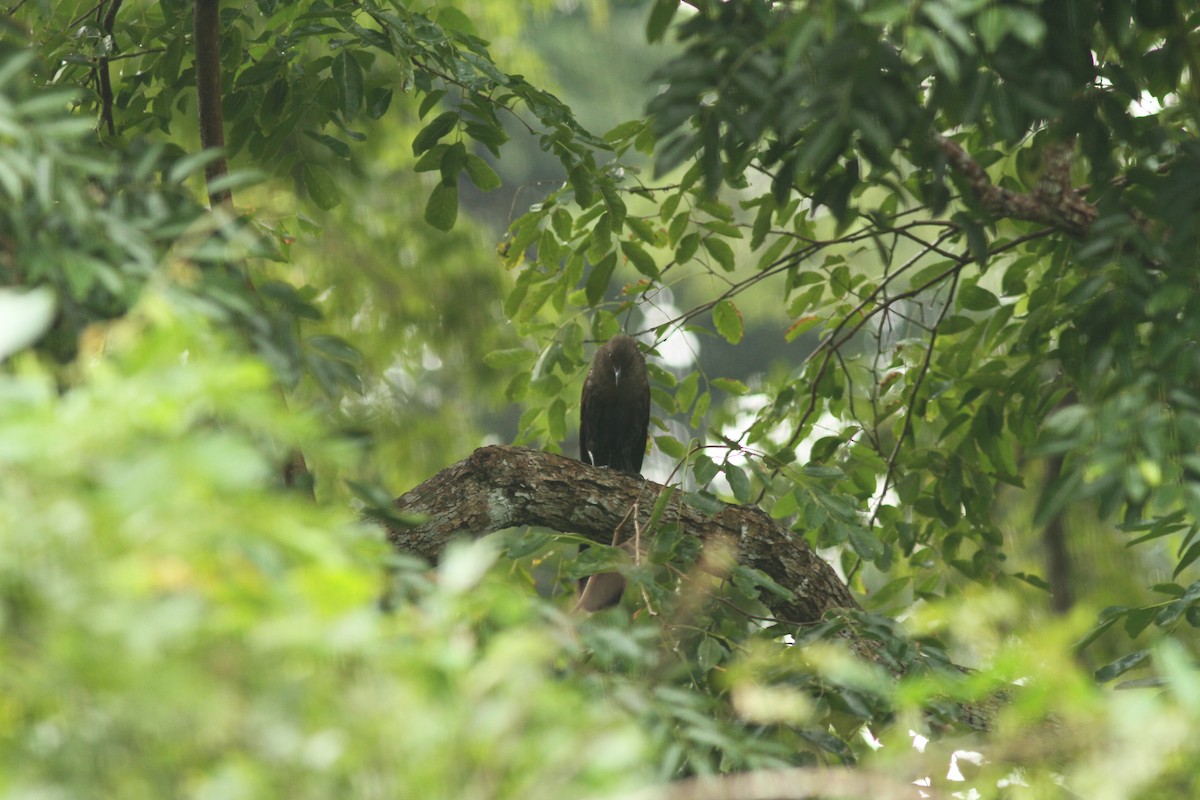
point(621, 351)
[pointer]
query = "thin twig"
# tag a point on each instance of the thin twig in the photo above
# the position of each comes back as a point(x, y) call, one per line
point(912, 398)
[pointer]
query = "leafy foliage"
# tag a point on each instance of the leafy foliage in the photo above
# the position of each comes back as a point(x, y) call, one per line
point(169, 627)
point(899, 190)
point(951, 245)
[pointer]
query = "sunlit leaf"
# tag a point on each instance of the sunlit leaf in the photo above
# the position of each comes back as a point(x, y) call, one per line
point(728, 321)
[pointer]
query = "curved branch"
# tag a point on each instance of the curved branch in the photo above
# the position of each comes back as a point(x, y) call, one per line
point(501, 487)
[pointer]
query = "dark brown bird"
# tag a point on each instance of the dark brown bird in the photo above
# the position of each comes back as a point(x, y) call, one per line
point(614, 419)
point(614, 410)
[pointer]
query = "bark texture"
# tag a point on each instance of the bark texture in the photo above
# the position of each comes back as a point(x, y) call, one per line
point(207, 36)
point(501, 487)
point(1054, 201)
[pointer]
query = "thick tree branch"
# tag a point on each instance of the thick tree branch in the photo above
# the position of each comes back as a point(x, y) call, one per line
point(1053, 202)
point(502, 487)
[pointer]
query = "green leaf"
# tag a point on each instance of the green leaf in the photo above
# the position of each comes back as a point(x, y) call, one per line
point(336, 347)
point(431, 159)
point(738, 483)
point(881, 597)
point(955, 323)
point(728, 321)
point(433, 132)
point(320, 186)
point(1187, 559)
point(864, 542)
point(700, 409)
point(660, 506)
point(726, 229)
point(670, 446)
point(337, 146)
point(762, 222)
point(661, 15)
point(561, 221)
point(454, 19)
point(1121, 665)
point(348, 76)
point(800, 326)
point(482, 174)
point(504, 359)
point(820, 150)
point(720, 250)
point(549, 251)
point(614, 204)
point(1033, 580)
point(581, 183)
point(995, 22)
point(977, 242)
point(556, 419)
point(822, 472)
point(773, 252)
point(379, 505)
point(685, 393)
point(641, 260)
point(710, 653)
point(975, 298)
point(379, 100)
point(192, 163)
point(749, 580)
point(687, 248)
point(454, 159)
point(442, 209)
point(643, 229)
point(536, 298)
point(704, 502)
point(674, 152)
point(597, 281)
point(1097, 631)
point(429, 101)
point(624, 131)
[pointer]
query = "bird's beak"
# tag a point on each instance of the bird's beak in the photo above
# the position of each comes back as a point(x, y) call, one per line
point(617, 375)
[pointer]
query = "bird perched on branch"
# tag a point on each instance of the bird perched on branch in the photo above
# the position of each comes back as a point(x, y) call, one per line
point(614, 419)
point(614, 410)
